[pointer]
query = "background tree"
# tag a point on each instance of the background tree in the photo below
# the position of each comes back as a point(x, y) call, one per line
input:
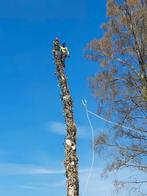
point(120, 87)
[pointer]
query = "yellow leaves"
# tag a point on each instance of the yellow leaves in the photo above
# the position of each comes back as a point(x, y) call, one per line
point(112, 8)
point(103, 43)
point(93, 45)
point(101, 49)
point(106, 47)
point(124, 20)
point(144, 93)
point(139, 13)
point(132, 2)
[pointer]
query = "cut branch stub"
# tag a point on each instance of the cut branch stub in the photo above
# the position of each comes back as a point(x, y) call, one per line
point(71, 160)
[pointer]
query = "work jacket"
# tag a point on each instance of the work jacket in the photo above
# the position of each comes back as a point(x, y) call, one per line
point(64, 50)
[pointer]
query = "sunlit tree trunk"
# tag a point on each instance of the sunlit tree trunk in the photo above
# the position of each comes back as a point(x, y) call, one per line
point(71, 161)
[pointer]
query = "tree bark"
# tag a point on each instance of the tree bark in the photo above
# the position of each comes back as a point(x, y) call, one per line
point(71, 160)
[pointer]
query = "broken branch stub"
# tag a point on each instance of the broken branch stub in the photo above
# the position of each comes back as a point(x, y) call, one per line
point(71, 160)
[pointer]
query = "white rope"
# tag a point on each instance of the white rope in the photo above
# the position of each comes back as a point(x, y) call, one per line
point(84, 102)
point(109, 121)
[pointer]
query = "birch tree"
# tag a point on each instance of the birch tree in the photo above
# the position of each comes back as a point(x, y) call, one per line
point(120, 86)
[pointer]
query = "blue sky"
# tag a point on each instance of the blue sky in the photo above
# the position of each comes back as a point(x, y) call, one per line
point(31, 118)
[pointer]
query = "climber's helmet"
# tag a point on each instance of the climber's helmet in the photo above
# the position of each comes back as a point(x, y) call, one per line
point(64, 44)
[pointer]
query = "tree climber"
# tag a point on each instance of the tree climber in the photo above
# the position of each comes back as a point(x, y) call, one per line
point(64, 52)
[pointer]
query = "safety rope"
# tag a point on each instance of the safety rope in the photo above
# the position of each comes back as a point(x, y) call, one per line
point(84, 102)
point(110, 122)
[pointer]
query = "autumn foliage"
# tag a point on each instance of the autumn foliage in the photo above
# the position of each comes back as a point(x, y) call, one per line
point(120, 86)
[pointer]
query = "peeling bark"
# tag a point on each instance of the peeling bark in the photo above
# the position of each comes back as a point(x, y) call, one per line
point(71, 160)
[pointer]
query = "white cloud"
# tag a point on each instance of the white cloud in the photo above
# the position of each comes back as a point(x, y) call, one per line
point(30, 187)
point(24, 169)
point(84, 131)
point(60, 129)
point(96, 185)
point(27, 169)
point(57, 128)
point(61, 183)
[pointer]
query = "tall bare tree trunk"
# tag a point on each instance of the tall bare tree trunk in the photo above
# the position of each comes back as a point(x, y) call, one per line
point(71, 161)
